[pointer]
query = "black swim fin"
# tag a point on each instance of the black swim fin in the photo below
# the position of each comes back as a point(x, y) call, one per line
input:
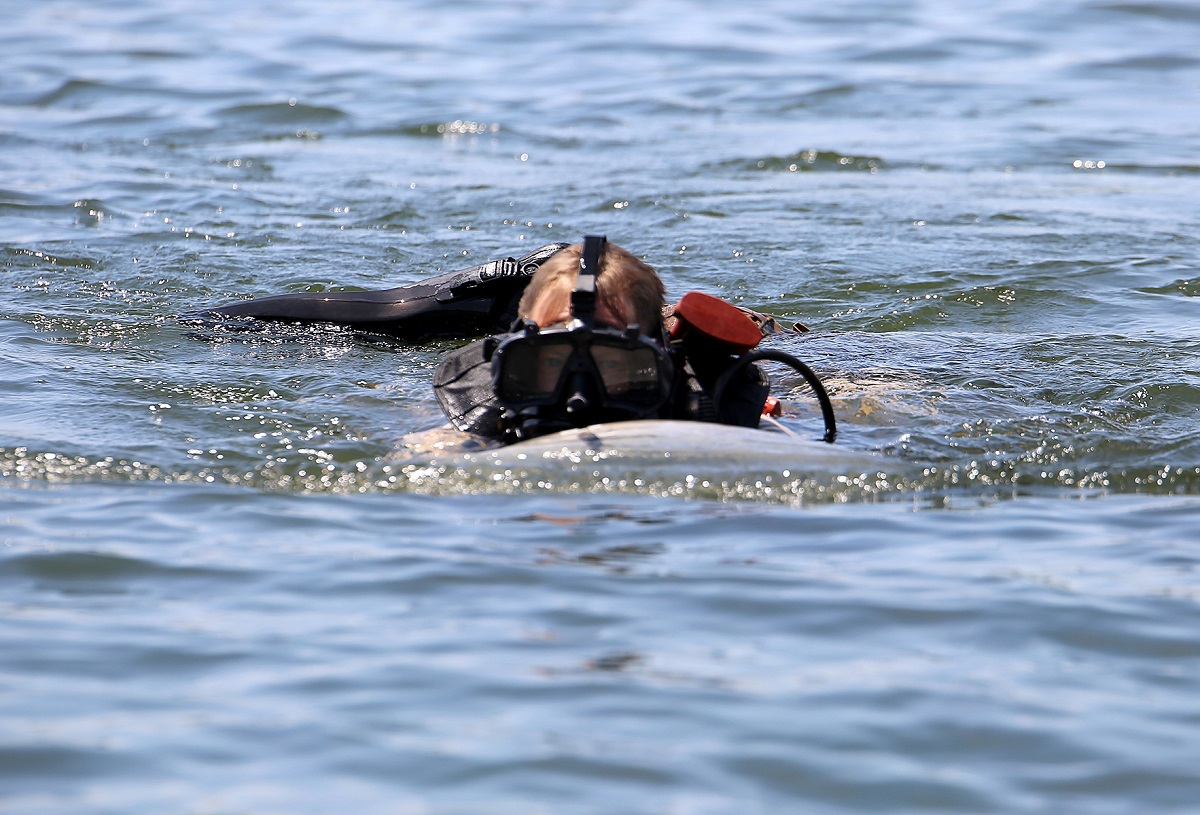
point(465, 303)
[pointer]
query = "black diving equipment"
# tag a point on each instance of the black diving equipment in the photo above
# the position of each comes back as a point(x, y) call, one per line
point(721, 390)
point(464, 303)
point(719, 338)
point(549, 379)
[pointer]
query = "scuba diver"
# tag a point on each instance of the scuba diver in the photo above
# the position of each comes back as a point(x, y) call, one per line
point(578, 335)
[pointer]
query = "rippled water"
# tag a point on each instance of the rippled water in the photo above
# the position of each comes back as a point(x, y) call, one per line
point(222, 594)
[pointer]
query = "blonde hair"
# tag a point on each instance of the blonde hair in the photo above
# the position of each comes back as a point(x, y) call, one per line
point(628, 286)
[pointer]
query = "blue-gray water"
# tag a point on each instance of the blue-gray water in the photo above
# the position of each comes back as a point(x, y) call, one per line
point(218, 595)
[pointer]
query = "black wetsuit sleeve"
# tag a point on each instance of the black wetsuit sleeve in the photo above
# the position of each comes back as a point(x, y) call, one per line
point(463, 387)
point(464, 303)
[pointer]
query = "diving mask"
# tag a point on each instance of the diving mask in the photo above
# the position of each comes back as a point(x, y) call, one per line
point(582, 370)
point(570, 376)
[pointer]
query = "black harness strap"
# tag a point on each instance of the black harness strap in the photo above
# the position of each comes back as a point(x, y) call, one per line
point(583, 297)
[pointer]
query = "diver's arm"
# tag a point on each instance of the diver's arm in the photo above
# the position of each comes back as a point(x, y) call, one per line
point(462, 303)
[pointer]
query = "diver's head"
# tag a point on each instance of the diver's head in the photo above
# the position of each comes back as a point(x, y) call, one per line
point(591, 348)
point(627, 291)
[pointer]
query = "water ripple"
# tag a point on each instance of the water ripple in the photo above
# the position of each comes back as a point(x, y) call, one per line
point(215, 566)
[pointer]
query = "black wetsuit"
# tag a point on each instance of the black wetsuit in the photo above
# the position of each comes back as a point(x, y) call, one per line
point(466, 303)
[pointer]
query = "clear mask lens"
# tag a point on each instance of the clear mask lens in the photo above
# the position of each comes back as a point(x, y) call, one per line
point(627, 373)
point(531, 371)
point(630, 373)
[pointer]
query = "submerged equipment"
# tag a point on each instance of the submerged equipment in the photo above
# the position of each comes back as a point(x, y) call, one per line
point(555, 378)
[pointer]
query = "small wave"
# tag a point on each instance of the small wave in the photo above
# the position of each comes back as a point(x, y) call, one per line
point(76, 566)
point(1140, 168)
point(72, 91)
point(458, 127)
point(16, 198)
point(809, 161)
point(38, 258)
point(917, 54)
point(140, 98)
point(290, 112)
point(312, 470)
point(1177, 12)
point(401, 218)
point(25, 464)
point(1039, 471)
point(1183, 287)
point(250, 167)
point(1148, 62)
point(607, 477)
point(300, 120)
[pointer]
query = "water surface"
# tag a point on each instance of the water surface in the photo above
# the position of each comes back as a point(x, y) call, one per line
point(221, 594)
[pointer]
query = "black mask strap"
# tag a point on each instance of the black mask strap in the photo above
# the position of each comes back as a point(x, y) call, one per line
point(583, 297)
